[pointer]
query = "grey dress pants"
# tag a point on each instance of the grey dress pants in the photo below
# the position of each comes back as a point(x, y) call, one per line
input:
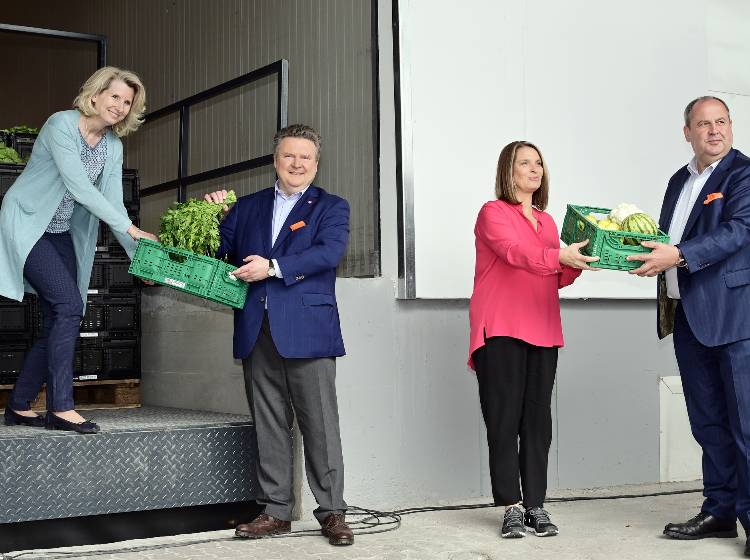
point(277, 389)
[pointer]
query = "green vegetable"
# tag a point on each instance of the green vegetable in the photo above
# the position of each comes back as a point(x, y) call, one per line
point(194, 225)
point(21, 129)
point(9, 155)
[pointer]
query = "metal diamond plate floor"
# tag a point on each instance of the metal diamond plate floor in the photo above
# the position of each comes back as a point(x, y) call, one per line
point(144, 458)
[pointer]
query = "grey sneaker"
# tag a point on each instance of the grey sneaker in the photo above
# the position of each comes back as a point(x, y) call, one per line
point(513, 524)
point(537, 519)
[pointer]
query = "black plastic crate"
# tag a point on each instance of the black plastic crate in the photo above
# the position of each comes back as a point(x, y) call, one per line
point(106, 242)
point(110, 315)
point(122, 359)
point(23, 143)
point(122, 317)
point(18, 320)
point(93, 319)
point(89, 360)
point(98, 279)
point(8, 174)
point(118, 277)
point(131, 186)
point(108, 358)
point(110, 274)
point(11, 361)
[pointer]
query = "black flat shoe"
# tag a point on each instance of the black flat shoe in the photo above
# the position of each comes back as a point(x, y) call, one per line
point(54, 422)
point(702, 526)
point(12, 418)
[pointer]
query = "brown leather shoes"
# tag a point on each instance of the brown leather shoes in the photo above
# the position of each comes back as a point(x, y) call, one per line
point(338, 532)
point(263, 526)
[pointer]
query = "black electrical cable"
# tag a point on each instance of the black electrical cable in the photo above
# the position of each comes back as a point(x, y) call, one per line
point(362, 521)
point(549, 500)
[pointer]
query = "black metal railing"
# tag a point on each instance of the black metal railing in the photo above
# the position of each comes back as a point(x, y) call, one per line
point(279, 68)
point(100, 40)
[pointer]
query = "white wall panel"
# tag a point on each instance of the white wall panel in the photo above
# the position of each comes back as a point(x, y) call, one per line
point(599, 86)
point(728, 43)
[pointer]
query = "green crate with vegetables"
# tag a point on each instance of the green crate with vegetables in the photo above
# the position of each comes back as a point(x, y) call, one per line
point(190, 235)
point(613, 234)
point(186, 271)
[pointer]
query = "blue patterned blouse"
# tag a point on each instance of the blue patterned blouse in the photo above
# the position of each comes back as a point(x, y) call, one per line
point(93, 160)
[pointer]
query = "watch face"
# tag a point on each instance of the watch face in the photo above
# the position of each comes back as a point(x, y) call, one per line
point(271, 271)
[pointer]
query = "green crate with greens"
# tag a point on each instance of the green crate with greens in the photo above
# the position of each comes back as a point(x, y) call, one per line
point(190, 236)
point(202, 276)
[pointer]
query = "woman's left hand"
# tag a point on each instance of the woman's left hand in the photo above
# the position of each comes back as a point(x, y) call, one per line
point(571, 256)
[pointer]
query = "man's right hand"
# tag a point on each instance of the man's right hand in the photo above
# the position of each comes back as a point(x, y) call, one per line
point(217, 197)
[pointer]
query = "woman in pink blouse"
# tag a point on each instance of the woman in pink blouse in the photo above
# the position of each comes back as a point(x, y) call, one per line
point(516, 330)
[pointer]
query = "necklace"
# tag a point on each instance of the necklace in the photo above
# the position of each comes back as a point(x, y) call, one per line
point(86, 132)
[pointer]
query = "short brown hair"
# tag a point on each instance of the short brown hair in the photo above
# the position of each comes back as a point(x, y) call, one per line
point(101, 80)
point(504, 187)
point(297, 131)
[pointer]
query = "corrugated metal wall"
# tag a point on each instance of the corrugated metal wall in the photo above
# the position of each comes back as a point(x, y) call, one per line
point(180, 48)
point(39, 76)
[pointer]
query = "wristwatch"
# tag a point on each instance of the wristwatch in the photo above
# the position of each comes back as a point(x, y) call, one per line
point(682, 263)
point(271, 270)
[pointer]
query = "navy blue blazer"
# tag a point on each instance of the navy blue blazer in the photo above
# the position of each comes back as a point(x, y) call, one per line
point(715, 287)
point(302, 309)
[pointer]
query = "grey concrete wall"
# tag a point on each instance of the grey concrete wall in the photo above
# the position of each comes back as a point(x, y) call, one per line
point(411, 427)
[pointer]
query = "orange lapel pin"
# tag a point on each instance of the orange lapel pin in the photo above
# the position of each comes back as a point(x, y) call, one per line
point(297, 225)
point(712, 196)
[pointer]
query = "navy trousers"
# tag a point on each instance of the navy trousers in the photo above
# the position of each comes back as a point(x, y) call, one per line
point(716, 384)
point(51, 270)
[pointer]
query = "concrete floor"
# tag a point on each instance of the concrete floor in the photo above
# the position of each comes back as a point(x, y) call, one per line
point(619, 529)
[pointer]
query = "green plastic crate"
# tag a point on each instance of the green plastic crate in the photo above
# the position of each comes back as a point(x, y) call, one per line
point(199, 275)
point(606, 244)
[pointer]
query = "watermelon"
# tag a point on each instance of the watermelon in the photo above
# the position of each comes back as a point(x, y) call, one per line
point(639, 223)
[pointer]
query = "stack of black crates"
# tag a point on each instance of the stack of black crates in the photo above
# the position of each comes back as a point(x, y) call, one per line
point(109, 346)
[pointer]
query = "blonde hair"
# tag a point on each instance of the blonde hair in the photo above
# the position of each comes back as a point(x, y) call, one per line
point(504, 187)
point(100, 81)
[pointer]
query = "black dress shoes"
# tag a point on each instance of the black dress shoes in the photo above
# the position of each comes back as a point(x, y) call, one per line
point(54, 422)
point(12, 418)
point(702, 526)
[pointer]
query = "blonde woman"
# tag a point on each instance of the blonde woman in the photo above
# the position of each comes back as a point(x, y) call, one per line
point(48, 228)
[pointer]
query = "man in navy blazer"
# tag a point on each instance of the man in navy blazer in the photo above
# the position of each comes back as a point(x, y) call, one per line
point(704, 299)
point(287, 241)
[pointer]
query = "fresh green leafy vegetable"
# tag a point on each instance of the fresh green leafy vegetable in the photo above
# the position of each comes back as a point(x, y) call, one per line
point(9, 155)
point(194, 225)
point(20, 129)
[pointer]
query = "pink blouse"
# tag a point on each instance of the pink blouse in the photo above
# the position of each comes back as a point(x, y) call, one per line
point(517, 277)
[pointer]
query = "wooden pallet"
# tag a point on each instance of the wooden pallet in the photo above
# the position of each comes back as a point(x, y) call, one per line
point(89, 395)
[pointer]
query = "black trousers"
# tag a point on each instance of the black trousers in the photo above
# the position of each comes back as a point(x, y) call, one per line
point(515, 391)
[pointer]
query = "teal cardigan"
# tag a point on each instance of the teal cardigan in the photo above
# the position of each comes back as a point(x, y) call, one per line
point(31, 201)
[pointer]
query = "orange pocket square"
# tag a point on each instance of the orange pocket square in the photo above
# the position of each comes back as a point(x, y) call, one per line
point(297, 225)
point(712, 196)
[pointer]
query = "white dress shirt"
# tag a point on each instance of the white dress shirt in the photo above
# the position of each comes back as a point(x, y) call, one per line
point(690, 191)
point(282, 207)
